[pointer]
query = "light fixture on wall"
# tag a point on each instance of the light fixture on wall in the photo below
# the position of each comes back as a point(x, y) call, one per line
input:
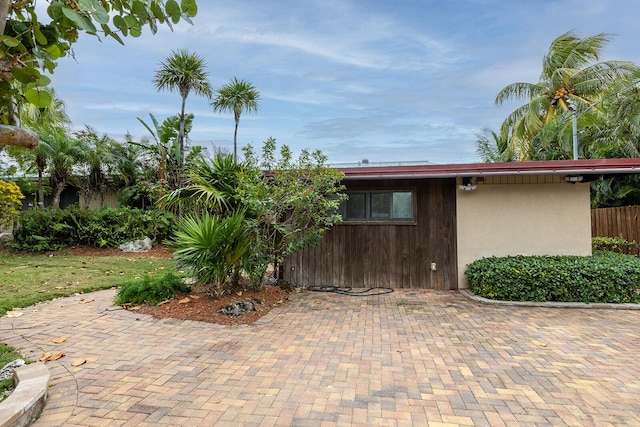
point(572, 179)
point(468, 183)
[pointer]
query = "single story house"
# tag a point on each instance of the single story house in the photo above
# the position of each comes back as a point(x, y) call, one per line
point(419, 226)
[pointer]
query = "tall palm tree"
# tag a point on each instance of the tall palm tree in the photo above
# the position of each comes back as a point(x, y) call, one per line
point(570, 78)
point(236, 96)
point(183, 72)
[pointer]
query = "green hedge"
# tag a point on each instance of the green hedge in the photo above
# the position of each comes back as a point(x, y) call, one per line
point(82, 227)
point(615, 244)
point(604, 277)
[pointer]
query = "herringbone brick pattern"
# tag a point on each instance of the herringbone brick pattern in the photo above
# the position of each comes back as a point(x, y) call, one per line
point(401, 359)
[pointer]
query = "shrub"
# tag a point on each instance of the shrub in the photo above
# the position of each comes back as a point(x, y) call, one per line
point(213, 249)
point(615, 244)
point(603, 277)
point(74, 226)
point(151, 290)
point(10, 202)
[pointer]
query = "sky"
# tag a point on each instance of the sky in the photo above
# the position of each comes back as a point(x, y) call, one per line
point(386, 81)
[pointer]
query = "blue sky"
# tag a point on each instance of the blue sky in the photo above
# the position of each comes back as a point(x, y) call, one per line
point(379, 80)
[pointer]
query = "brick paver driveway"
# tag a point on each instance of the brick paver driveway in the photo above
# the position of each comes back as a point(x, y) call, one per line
point(406, 358)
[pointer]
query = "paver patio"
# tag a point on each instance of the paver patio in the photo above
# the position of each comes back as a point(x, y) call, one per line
point(406, 358)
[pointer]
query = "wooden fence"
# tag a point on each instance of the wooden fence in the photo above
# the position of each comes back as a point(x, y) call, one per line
point(615, 222)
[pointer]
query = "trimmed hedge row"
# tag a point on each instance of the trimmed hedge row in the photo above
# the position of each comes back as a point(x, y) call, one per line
point(604, 277)
point(74, 226)
point(615, 244)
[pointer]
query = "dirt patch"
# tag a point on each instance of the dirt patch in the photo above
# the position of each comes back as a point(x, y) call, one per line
point(199, 304)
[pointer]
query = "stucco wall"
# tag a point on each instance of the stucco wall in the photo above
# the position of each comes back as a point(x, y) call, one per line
point(538, 215)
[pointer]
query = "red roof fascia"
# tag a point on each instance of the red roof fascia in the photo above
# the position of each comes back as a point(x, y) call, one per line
point(554, 167)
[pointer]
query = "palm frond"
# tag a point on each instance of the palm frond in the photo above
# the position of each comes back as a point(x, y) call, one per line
point(520, 90)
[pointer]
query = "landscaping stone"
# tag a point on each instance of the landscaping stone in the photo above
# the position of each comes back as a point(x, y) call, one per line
point(237, 308)
point(7, 371)
point(143, 245)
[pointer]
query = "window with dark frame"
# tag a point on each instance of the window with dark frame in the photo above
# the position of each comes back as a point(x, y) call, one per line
point(378, 206)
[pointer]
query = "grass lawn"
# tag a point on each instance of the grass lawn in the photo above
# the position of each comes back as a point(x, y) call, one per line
point(26, 279)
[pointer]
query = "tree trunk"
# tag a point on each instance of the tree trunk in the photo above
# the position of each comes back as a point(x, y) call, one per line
point(40, 198)
point(181, 142)
point(17, 136)
point(4, 13)
point(235, 141)
point(56, 197)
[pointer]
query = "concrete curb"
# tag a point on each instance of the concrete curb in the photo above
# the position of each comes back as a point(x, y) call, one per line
point(549, 304)
point(27, 400)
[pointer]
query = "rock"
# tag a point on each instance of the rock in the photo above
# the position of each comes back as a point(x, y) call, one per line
point(143, 245)
point(6, 237)
point(237, 308)
point(7, 371)
point(272, 281)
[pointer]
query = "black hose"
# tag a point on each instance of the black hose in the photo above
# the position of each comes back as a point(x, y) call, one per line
point(349, 291)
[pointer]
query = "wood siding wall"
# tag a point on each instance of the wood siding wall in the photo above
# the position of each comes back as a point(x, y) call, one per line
point(613, 222)
point(395, 256)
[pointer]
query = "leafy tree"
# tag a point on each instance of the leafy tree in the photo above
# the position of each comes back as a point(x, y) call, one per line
point(183, 72)
point(29, 47)
point(570, 77)
point(236, 96)
point(294, 202)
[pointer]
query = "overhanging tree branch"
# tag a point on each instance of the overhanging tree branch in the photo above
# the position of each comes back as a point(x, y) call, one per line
point(17, 136)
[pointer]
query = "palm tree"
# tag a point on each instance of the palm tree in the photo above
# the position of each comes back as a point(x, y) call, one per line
point(166, 151)
point(570, 78)
point(63, 153)
point(53, 115)
point(493, 147)
point(236, 96)
point(52, 119)
point(183, 72)
point(99, 164)
point(211, 185)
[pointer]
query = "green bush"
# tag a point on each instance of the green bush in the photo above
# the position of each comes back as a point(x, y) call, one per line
point(604, 277)
point(615, 244)
point(151, 290)
point(108, 227)
point(213, 249)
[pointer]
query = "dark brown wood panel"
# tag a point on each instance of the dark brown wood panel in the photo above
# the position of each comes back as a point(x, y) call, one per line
point(388, 255)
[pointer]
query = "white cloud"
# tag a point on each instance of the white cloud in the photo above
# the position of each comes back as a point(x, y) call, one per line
point(385, 80)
